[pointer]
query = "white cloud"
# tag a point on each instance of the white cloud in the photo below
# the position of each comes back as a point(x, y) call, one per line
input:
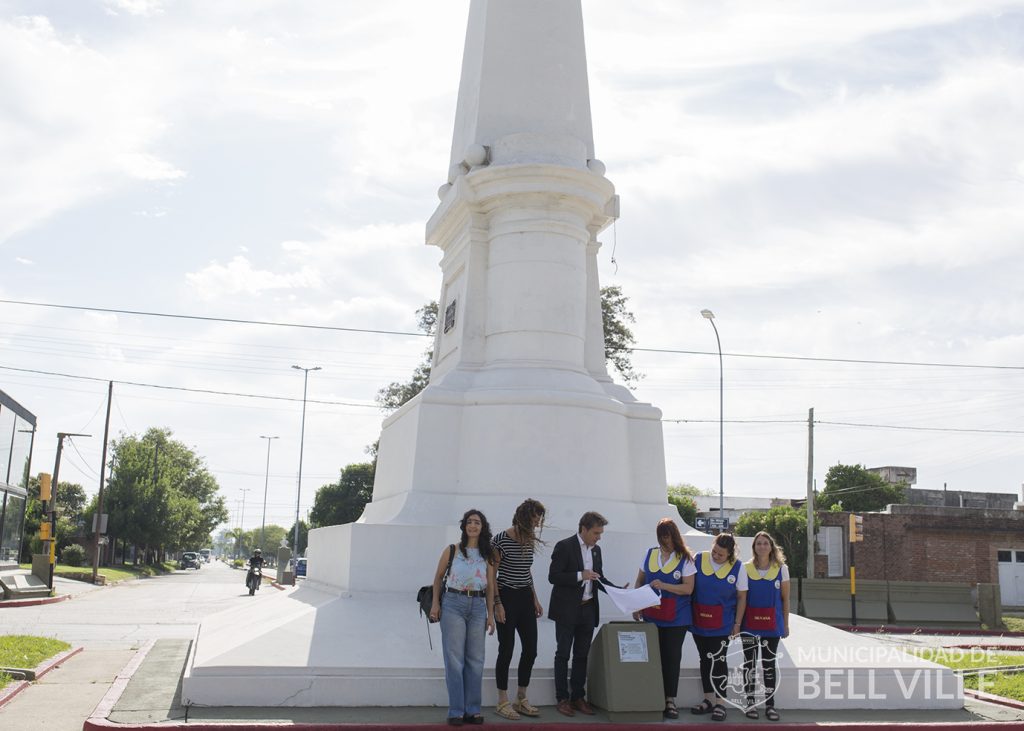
point(218, 280)
point(144, 8)
point(23, 260)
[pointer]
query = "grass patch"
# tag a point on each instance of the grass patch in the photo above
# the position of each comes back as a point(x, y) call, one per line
point(1004, 684)
point(26, 651)
point(5, 680)
point(967, 659)
point(112, 573)
point(1014, 624)
point(1008, 685)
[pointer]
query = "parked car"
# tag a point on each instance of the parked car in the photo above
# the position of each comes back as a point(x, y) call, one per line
point(300, 567)
point(189, 560)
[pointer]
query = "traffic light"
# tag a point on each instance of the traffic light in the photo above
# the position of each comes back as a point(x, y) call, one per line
point(44, 487)
point(856, 528)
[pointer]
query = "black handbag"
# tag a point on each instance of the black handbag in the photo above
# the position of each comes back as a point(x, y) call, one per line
point(425, 596)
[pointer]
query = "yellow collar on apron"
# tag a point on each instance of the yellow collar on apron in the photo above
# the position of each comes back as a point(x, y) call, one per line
point(652, 562)
point(705, 567)
point(755, 575)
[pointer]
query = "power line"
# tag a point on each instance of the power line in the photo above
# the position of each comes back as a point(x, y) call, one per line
point(674, 351)
point(374, 406)
point(236, 321)
point(923, 428)
point(190, 390)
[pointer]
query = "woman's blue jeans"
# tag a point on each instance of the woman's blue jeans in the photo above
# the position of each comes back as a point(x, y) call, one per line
point(463, 629)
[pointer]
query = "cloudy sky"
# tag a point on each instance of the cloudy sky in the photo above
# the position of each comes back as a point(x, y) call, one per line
point(839, 180)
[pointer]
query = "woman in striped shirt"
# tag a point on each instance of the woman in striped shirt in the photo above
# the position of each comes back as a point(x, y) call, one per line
point(516, 608)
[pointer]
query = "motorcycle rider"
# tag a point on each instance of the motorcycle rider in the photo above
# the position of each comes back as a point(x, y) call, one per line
point(255, 562)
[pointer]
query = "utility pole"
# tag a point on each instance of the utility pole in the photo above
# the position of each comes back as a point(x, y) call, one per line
point(99, 499)
point(53, 502)
point(266, 483)
point(810, 493)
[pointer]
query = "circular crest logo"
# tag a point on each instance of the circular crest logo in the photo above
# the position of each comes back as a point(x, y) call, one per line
point(677, 575)
point(778, 584)
point(741, 680)
point(731, 579)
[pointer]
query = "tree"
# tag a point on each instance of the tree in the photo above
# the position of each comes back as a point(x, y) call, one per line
point(343, 501)
point(160, 495)
point(395, 393)
point(788, 526)
point(857, 490)
point(682, 497)
point(618, 340)
point(71, 502)
point(271, 540)
point(303, 537)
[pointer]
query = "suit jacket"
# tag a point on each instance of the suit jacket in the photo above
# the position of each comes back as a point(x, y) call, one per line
point(566, 589)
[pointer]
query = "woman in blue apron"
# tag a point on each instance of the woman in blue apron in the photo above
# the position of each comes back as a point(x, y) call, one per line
point(669, 569)
point(719, 600)
point(765, 621)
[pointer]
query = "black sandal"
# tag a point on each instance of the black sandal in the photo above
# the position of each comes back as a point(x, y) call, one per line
point(751, 712)
point(670, 710)
point(771, 714)
point(718, 713)
point(702, 708)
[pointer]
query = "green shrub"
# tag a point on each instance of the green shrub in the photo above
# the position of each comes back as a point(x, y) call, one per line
point(73, 555)
point(238, 563)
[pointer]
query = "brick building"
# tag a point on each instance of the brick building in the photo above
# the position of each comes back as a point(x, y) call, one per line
point(930, 543)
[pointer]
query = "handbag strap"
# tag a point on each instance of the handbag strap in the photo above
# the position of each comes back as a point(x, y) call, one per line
point(448, 569)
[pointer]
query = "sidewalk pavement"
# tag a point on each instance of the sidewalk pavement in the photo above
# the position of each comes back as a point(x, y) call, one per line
point(63, 589)
point(128, 688)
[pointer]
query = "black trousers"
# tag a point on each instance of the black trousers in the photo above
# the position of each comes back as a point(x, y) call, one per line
point(521, 618)
point(670, 642)
point(713, 667)
point(769, 647)
point(574, 638)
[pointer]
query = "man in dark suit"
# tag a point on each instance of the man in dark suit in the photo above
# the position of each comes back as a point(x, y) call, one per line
point(576, 577)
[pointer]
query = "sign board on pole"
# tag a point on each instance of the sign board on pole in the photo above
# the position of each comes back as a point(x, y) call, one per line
point(707, 524)
point(103, 522)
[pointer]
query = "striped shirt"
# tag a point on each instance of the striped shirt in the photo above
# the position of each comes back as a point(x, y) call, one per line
point(516, 562)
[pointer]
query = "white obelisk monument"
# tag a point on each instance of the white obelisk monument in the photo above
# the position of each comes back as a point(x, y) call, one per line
point(520, 403)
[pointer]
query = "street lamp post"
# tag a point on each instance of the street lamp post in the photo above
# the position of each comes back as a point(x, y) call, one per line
point(302, 442)
point(266, 483)
point(241, 517)
point(710, 317)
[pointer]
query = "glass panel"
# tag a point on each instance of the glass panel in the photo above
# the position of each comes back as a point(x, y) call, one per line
point(1005, 556)
point(10, 529)
point(1020, 556)
point(20, 453)
point(6, 435)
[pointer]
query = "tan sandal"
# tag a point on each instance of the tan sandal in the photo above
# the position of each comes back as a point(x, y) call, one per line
point(523, 706)
point(505, 710)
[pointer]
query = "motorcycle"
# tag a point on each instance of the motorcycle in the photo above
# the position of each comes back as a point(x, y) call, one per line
point(254, 579)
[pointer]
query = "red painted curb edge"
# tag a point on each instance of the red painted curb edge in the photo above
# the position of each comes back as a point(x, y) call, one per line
point(7, 695)
point(992, 698)
point(100, 724)
point(11, 603)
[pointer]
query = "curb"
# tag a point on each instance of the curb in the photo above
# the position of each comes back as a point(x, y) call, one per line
point(113, 695)
point(996, 699)
point(7, 695)
point(11, 603)
point(895, 630)
point(100, 724)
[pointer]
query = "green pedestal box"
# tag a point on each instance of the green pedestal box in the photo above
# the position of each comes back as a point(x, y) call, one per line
point(624, 672)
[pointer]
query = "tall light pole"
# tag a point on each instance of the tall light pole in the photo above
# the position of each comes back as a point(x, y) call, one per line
point(241, 517)
point(266, 483)
point(710, 317)
point(302, 442)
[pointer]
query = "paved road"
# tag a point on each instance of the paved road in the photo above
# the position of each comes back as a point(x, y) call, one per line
point(126, 614)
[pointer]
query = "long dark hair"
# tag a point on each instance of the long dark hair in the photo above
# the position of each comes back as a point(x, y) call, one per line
point(527, 512)
point(668, 527)
point(484, 542)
